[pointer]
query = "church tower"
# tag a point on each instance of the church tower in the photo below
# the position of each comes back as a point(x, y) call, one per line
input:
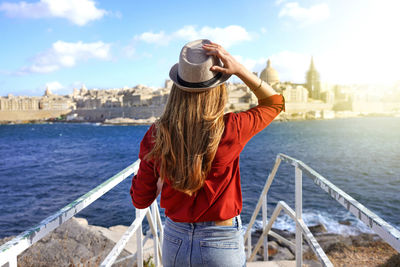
point(313, 83)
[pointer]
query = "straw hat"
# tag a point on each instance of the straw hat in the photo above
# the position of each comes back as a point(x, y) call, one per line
point(192, 73)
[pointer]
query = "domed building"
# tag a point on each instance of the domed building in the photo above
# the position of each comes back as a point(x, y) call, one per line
point(269, 74)
point(47, 92)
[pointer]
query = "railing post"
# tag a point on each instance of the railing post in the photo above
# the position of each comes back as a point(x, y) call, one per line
point(158, 221)
point(264, 218)
point(155, 236)
point(139, 242)
point(249, 246)
point(299, 211)
point(13, 262)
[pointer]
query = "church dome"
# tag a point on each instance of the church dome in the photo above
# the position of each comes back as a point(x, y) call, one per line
point(269, 74)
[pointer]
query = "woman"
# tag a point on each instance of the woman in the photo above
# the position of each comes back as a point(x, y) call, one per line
point(192, 152)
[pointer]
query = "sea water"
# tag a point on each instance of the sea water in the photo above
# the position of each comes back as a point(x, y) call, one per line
point(43, 167)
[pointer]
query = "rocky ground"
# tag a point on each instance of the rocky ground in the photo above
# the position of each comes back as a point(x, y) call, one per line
point(78, 244)
point(360, 250)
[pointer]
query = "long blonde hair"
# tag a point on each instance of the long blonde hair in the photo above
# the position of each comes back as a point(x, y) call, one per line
point(187, 136)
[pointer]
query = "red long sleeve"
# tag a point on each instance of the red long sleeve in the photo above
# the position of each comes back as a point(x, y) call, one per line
point(220, 198)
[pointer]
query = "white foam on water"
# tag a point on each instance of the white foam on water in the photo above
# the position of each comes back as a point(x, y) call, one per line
point(332, 225)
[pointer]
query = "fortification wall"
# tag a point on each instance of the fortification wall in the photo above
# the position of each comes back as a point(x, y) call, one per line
point(305, 107)
point(142, 112)
point(28, 115)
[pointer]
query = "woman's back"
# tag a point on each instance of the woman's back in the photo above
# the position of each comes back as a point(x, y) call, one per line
point(220, 196)
point(192, 154)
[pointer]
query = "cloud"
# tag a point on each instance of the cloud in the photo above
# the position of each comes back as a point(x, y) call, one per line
point(255, 65)
point(79, 12)
point(278, 2)
point(54, 86)
point(305, 16)
point(64, 54)
point(227, 36)
point(153, 38)
point(263, 30)
point(342, 65)
point(291, 66)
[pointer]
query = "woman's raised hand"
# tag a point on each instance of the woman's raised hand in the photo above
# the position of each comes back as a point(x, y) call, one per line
point(231, 66)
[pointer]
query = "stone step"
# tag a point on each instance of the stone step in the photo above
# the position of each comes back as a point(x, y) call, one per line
point(307, 263)
point(271, 264)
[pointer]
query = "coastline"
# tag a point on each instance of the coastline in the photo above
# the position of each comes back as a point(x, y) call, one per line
point(133, 122)
point(77, 242)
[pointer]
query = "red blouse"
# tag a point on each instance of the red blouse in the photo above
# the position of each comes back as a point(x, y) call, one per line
point(221, 197)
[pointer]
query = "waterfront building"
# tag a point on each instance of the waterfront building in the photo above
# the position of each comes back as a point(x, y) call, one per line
point(296, 93)
point(19, 103)
point(57, 103)
point(131, 100)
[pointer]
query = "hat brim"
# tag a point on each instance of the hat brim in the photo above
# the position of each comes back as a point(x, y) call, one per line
point(173, 75)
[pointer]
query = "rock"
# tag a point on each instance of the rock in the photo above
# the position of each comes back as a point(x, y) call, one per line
point(345, 222)
point(273, 248)
point(317, 229)
point(337, 247)
point(69, 245)
point(328, 241)
point(283, 254)
point(363, 240)
point(284, 233)
point(392, 261)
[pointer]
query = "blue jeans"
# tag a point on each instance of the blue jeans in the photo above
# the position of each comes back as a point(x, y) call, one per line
point(203, 244)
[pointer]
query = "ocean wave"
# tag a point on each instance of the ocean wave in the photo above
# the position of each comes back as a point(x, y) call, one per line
point(332, 225)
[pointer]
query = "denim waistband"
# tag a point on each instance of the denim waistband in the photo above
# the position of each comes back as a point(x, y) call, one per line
point(183, 226)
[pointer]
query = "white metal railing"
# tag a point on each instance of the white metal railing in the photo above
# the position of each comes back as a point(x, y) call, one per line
point(10, 250)
point(387, 232)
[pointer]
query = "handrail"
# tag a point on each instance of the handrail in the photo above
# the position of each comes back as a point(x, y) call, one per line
point(10, 250)
point(387, 232)
point(307, 233)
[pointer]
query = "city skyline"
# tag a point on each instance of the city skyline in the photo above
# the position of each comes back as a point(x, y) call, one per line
point(64, 44)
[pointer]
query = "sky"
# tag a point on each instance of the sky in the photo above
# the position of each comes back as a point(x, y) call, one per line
point(62, 44)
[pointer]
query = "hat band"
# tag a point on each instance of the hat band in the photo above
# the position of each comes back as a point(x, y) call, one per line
point(199, 84)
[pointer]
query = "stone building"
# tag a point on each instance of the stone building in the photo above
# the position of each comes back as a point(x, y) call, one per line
point(168, 84)
point(240, 97)
point(295, 93)
point(57, 103)
point(113, 102)
point(18, 103)
point(131, 100)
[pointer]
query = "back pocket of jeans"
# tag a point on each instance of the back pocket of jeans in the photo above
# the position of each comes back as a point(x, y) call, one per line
point(170, 249)
point(221, 253)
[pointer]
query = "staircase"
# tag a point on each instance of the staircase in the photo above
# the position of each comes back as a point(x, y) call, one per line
point(10, 250)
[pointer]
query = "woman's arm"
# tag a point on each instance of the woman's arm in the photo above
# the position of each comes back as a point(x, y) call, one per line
point(231, 66)
point(270, 104)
